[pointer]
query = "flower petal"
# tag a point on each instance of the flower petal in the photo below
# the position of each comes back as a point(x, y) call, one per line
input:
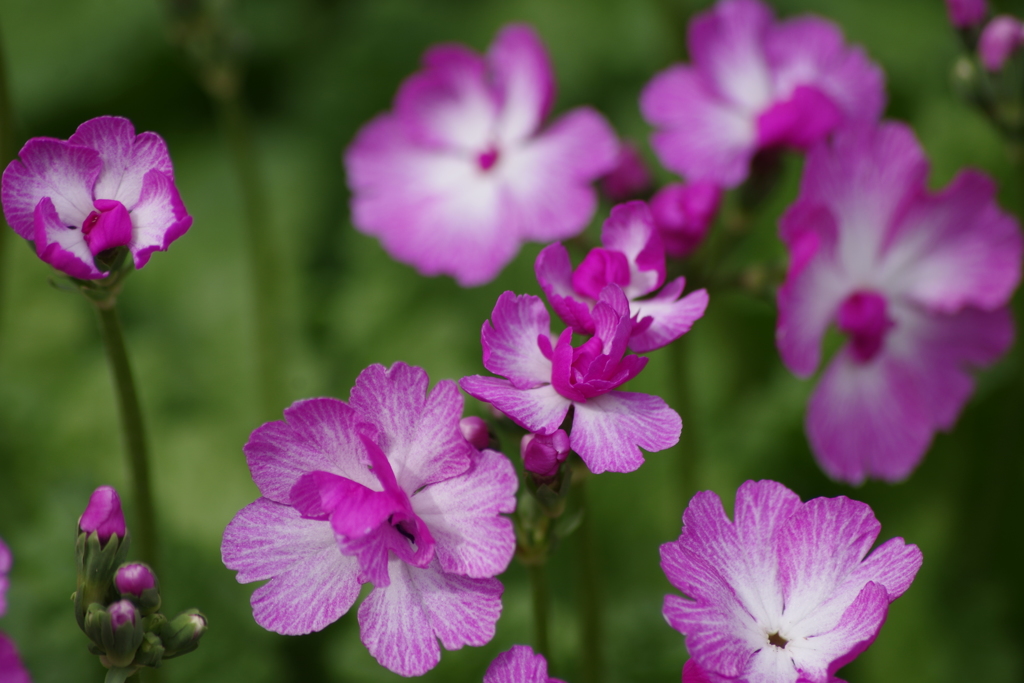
point(630, 230)
point(541, 409)
point(671, 316)
point(159, 216)
point(524, 81)
point(11, 668)
point(510, 340)
point(519, 665)
point(609, 430)
point(554, 273)
point(63, 247)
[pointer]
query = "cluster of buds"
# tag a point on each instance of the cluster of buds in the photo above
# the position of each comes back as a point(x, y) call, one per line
point(117, 603)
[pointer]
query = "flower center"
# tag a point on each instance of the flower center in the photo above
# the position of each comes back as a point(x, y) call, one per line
point(863, 316)
point(776, 640)
point(600, 268)
point(486, 160)
point(107, 227)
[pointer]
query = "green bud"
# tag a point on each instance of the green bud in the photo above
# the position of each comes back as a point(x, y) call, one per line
point(96, 562)
point(182, 633)
point(150, 652)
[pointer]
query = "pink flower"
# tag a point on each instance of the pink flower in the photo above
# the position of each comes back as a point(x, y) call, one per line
point(629, 178)
point(103, 515)
point(683, 214)
point(383, 489)
point(1000, 39)
point(966, 13)
point(546, 376)
point(459, 173)
point(632, 258)
point(11, 668)
point(755, 83)
point(785, 593)
point(519, 665)
point(543, 454)
point(918, 281)
point(104, 187)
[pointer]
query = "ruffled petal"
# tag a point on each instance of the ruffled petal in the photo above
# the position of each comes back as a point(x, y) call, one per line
point(311, 583)
point(127, 157)
point(464, 517)
point(727, 45)
point(519, 665)
point(401, 624)
point(317, 434)
point(554, 273)
point(671, 316)
point(159, 217)
point(541, 409)
point(630, 230)
point(524, 80)
point(609, 430)
point(419, 432)
point(50, 168)
point(510, 340)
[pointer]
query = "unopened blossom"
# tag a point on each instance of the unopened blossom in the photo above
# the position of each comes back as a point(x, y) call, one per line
point(683, 213)
point(629, 178)
point(1000, 38)
point(382, 489)
point(134, 579)
point(545, 376)
point(543, 454)
point(103, 515)
point(784, 593)
point(104, 187)
point(632, 257)
point(519, 665)
point(756, 83)
point(11, 668)
point(917, 281)
point(476, 431)
point(463, 170)
point(966, 13)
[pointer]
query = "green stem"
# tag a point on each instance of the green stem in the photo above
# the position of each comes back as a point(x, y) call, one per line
point(541, 615)
point(119, 675)
point(133, 430)
point(591, 610)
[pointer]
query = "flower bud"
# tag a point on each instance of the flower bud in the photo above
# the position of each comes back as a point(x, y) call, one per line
point(1000, 39)
point(137, 582)
point(103, 515)
point(117, 631)
point(629, 179)
point(122, 612)
point(683, 214)
point(544, 453)
point(181, 634)
point(966, 13)
point(475, 430)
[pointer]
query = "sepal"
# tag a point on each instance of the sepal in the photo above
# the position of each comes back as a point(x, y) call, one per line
point(96, 564)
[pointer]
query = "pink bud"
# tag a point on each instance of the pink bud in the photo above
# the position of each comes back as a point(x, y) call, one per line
point(966, 13)
point(475, 430)
point(630, 177)
point(543, 453)
point(1000, 38)
point(103, 514)
point(134, 578)
point(122, 612)
point(683, 214)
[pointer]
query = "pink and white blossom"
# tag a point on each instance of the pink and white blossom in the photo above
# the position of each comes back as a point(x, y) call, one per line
point(546, 376)
point(102, 188)
point(756, 83)
point(462, 171)
point(632, 258)
point(519, 665)
point(918, 281)
point(382, 489)
point(786, 592)
point(11, 668)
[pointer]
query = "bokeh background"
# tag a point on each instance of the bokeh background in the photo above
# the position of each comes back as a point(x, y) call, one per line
point(315, 70)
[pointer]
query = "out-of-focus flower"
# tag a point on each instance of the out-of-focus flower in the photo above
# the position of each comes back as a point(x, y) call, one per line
point(519, 665)
point(683, 213)
point(475, 430)
point(629, 178)
point(632, 258)
point(1000, 38)
point(546, 376)
point(460, 172)
point(11, 668)
point(785, 593)
point(105, 187)
point(966, 13)
point(756, 83)
point(383, 489)
point(103, 515)
point(543, 454)
point(919, 283)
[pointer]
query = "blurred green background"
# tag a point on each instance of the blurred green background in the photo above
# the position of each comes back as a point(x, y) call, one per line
point(315, 71)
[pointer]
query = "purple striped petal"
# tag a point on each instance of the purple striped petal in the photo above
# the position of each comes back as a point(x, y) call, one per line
point(519, 665)
point(608, 431)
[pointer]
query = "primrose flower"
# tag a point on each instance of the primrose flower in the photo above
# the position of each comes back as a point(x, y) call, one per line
point(104, 187)
point(11, 668)
point(519, 665)
point(754, 84)
point(785, 593)
point(633, 258)
point(460, 172)
point(383, 489)
point(919, 283)
point(1000, 38)
point(547, 376)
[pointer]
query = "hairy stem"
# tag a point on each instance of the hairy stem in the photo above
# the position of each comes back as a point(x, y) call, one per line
point(591, 611)
point(541, 613)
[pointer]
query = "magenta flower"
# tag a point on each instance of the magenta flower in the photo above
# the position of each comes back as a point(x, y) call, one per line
point(755, 83)
point(629, 178)
point(383, 489)
point(460, 173)
point(11, 668)
point(633, 258)
point(519, 665)
point(683, 214)
point(966, 13)
point(104, 187)
point(103, 515)
point(919, 283)
point(546, 376)
point(543, 454)
point(134, 579)
point(1000, 38)
point(785, 593)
